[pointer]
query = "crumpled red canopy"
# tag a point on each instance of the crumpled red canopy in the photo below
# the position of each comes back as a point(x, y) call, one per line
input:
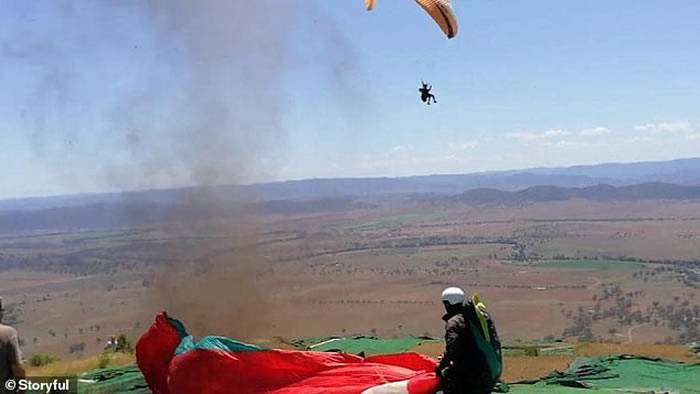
point(174, 363)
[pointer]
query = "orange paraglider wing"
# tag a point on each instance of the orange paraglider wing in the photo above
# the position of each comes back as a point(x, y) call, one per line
point(439, 10)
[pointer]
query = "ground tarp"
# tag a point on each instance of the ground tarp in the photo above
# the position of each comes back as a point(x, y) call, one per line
point(607, 375)
point(603, 375)
point(115, 380)
point(120, 380)
point(620, 374)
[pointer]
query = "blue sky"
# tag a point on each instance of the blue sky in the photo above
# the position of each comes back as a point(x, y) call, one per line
point(105, 95)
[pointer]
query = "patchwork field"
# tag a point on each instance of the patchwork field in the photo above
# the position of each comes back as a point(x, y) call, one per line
point(575, 271)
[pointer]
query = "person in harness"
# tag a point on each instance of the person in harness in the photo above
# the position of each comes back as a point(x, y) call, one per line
point(425, 94)
point(472, 362)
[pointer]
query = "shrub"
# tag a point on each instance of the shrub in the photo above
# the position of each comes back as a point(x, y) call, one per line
point(123, 345)
point(532, 351)
point(41, 359)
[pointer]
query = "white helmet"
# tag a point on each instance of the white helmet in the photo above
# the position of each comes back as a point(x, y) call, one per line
point(453, 295)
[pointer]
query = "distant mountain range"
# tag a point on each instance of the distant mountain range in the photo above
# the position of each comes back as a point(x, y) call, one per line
point(645, 191)
point(127, 213)
point(684, 172)
point(681, 171)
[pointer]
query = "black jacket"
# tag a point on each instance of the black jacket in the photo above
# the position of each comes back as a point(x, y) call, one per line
point(463, 367)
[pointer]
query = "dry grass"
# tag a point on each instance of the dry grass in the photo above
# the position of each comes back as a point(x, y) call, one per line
point(80, 365)
point(679, 353)
point(518, 368)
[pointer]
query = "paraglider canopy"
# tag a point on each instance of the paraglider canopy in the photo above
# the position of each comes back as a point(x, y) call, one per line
point(439, 10)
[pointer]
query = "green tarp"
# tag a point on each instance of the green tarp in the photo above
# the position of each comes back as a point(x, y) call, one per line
point(116, 380)
point(619, 374)
point(606, 375)
point(539, 389)
point(126, 380)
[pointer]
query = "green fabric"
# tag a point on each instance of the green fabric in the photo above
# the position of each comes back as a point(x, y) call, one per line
point(122, 380)
point(608, 375)
point(540, 389)
point(179, 327)
point(621, 374)
point(486, 349)
point(368, 345)
point(215, 343)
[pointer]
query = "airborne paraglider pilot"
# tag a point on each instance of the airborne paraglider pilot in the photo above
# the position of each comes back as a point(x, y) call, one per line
point(425, 94)
point(472, 361)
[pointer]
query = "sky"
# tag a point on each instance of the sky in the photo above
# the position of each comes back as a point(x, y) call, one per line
point(122, 95)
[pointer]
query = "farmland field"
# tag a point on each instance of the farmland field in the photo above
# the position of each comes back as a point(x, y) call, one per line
point(564, 270)
point(599, 265)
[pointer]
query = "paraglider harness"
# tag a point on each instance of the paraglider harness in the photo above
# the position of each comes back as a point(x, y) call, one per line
point(481, 365)
point(425, 94)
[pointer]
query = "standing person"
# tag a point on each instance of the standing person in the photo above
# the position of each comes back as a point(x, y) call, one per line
point(10, 354)
point(472, 361)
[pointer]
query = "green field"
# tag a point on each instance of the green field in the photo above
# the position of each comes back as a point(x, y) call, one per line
point(600, 265)
point(431, 254)
point(395, 221)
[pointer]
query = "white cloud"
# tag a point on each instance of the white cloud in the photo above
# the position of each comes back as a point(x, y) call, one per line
point(402, 148)
point(666, 128)
point(564, 144)
point(548, 134)
point(694, 137)
point(594, 132)
point(465, 145)
point(640, 138)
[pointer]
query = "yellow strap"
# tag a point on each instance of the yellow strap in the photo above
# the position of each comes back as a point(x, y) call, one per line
point(480, 309)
